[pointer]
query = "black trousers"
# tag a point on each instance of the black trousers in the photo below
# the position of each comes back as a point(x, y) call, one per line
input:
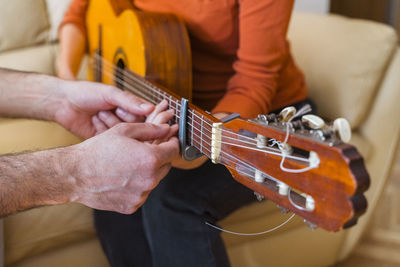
point(169, 229)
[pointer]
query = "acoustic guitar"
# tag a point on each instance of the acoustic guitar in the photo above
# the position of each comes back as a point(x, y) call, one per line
point(299, 162)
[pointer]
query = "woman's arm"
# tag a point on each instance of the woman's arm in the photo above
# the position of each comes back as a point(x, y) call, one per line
point(72, 34)
point(72, 46)
point(263, 52)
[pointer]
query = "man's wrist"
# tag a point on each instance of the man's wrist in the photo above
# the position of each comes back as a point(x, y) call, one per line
point(29, 95)
point(35, 179)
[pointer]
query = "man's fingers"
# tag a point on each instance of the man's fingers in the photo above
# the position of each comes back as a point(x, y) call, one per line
point(173, 130)
point(163, 171)
point(143, 131)
point(98, 125)
point(128, 117)
point(109, 118)
point(169, 150)
point(128, 102)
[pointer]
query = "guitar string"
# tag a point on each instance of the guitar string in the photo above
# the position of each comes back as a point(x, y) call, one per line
point(224, 142)
point(213, 226)
point(232, 144)
point(252, 234)
point(109, 74)
point(153, 89)
point(252, 141)
point(162, 95)
point(256, 233)
point(136, 78)
point(273, 152)
point(283, 154)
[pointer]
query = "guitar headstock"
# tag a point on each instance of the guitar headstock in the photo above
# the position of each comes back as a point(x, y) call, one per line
point(302, 165)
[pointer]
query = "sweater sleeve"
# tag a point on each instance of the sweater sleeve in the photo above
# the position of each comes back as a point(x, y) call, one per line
point(263, 52)
point(76, 15)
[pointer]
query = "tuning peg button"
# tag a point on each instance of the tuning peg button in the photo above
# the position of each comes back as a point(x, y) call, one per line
point(313, 121)
point(282, 209)
point(283, 189)
point(259, 196)
point(342, 129)
point(287, 113)
point(310, 225)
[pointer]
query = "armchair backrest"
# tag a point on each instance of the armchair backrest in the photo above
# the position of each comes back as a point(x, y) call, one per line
point(344, 61)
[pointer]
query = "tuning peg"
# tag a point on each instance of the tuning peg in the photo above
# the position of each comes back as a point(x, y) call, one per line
point(283, 189)
point(313, 121)
point(342, 129)
point(261, 141)
point(287, 113)
point(282, 209)
point(310, 225)
point(259, 196)
point(310, 203)
point(267, 118)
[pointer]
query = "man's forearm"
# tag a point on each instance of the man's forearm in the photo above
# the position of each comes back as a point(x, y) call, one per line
point(28, 95)
point(33, 179)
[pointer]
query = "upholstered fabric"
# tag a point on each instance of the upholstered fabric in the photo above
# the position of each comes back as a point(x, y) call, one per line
point(23, 23)
point(344, 61)
point(55, 10)
point(87, 253)
point(39, 59)
point(18, 135)
point(32, 232)
point(382, 128)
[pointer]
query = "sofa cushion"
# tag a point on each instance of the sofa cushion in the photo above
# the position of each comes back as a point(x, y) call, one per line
point(56, 10)
point(344, 61)
point(22, 23)
point(38, 230)
point(36, 58)
point(87, 253)
point(18, 135)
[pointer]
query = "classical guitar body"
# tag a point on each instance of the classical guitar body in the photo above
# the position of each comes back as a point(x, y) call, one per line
point(153, 45)
point(297, 161)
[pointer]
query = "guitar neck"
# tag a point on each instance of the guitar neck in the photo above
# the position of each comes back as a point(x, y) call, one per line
point(198, 122)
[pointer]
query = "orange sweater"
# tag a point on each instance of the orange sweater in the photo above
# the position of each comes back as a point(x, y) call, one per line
point(240, 54)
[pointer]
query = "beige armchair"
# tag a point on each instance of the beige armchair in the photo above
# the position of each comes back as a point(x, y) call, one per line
point(352, 68)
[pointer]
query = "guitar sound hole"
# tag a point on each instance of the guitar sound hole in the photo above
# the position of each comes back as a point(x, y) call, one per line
point(119, 75)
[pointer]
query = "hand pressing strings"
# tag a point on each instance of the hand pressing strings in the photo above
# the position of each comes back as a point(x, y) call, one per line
point(160, 115)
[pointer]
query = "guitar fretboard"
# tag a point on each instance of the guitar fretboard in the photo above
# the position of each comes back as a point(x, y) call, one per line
point(198, 123)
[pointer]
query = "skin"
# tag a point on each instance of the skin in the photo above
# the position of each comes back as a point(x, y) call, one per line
point(114, 170)
point(72, 48)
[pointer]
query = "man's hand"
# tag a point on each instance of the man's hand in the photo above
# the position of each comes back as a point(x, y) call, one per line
point(84, 108)
point(117, 170)
point(90, 108)
point(114, 171)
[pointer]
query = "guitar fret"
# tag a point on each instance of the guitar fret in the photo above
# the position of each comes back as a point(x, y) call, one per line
point(192, 129)
point(201, 134)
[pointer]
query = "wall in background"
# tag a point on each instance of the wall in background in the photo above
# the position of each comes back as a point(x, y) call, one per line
point(314, 6)
point(386, 11)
